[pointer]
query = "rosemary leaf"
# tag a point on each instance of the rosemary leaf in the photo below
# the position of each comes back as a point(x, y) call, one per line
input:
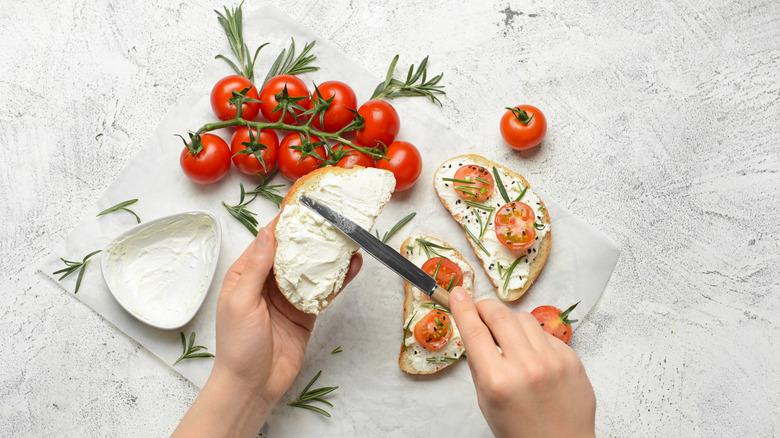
point(500, 185)
point(72, 267)
point(121, 206)
point(405, 220)
point(522, 192)
point(336, 350)
point(508, 272)
point(314, 395)
point(392, 88)
point(190, 351)
point(431, 247)
point(474, 238)
point(291, 65)
point(406, 330)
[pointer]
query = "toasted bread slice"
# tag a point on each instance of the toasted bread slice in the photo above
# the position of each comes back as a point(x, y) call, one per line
point(414, 358)
point(312, 257)
point(497, 260)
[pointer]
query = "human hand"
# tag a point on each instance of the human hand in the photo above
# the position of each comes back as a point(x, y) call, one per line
point(535, 385)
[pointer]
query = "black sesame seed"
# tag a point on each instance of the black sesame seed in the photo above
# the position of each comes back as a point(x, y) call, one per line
point(565, 331)
point(446, 185)
point(541, 324)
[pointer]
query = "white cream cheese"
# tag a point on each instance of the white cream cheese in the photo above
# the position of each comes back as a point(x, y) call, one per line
point(498, 252)
point(312, 256)
point(161, 271)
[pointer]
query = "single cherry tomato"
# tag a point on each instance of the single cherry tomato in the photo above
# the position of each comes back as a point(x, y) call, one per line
point(480, 184)
point(523, 127)
point(297, 95)
point(434, 330)
point(267, 146)
point(405, 161)
point(381, 124)
point(353, 157)
point(448, 273)
point(293, 163)
point(337, 115)
point(555, 322)
point(209, 163)
point(223, 92)
point(514, 225)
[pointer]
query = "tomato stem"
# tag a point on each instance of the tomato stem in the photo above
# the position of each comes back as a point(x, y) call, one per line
point(565, 315)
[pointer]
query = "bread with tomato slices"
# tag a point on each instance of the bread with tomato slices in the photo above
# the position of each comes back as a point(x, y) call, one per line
point(474, 200)
point(426, 351)
point(312, 257)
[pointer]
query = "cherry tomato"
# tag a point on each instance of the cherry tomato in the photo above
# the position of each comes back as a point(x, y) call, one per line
point(514, 225)
point(295, 89)
point(434, 330)
point(449, 273)
point(405, 161)
point(292, 163)
point(523, 127)
point(337, 115)
point(480, 186)
point(210, 164)
point(381, 124)
point(555, 322)
point(353, 157)
point(248, 162)
point(223, 92)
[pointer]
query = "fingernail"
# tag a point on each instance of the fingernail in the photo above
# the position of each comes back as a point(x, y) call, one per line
point(262, 238)
point(458, 294)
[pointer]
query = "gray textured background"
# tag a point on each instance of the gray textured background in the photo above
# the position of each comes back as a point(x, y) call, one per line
point(664, 131)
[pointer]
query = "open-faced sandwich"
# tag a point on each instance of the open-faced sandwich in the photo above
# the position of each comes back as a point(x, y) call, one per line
point(312, 257)
point(504, 220)
point(431, 340)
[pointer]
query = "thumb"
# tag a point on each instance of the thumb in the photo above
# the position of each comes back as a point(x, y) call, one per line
point(258, 264)
point(475, 334)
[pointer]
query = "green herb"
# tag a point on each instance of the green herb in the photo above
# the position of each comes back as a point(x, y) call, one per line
point(500, 273)
point(521, 115)
point(500, 184)
point(240, 212)
point(290, 65)
point(307, 396)
point(436, 271)
point(522, 193)
point(270, 192)
point(336, 350)
point(121, 206)
point(406, 330)
point(434, 306)
point(476, 240)
point(430, 247)
point(484, 181)
point(405, 220)
point(538, 225)
point(409, 247)
point(232, 22)
point(509, 270)
point(461, 181)
point(483, 226)
point(190, 351)
point(392, 88)
point(453, 282)
point(442, 359)
point(72, 267)
point(541, 207)
point(468, 190)
point(479, 206)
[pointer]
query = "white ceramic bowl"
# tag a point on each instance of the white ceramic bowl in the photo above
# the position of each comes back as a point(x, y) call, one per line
point(160, 271)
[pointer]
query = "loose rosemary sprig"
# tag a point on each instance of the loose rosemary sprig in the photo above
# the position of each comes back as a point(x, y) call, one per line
point(392, 88)
point(270, 192)
point(190, 351)
point(405, 220)
point(232, 22)
point(508, 272)
point(307, 396)
point(430, 247)
point(406, 330)
point(72, 267)
point(291, 65)
point(240, 212)
point(121, 206)
point(337, 350)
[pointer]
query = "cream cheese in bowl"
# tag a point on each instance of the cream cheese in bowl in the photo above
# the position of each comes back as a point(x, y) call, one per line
point(160, 271)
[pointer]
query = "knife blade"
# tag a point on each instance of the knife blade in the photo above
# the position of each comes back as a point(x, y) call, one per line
point(380, 251)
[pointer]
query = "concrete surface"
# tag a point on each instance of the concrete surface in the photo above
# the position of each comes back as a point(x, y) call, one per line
point(664, 132)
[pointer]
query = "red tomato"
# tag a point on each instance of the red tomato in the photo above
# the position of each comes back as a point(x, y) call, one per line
point(555, 322)
point(514, 225)
point(337, 115)
point(381, 124)
point(480, 186)
point(449, 273)
point(210, 164)
point(405, 161)
point(248, 162)
point(353, 157)
point(296, 90)
point(292, 162)
point(223, 92)
point(434, 330)
point(523, 127)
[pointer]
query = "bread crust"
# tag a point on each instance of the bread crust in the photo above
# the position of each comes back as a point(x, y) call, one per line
point(404, 358)
point(544, 245)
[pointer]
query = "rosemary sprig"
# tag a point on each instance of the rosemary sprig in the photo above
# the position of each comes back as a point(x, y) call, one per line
point(406, 330)
point(522, 193)
point(190, 351)
point(476, 240)
point(291, 65)
point(479, 206)
point(337, 350)
point(405, 220)
point(392, 88)
point(508, 272)
point(307, 396)
point(121, 206)
point(442, 359)
point(483, 226)
point(232, 22)
point(430, 247)
point(500, 185)
point(72, 267)
point(240, 212)
point(270, 192)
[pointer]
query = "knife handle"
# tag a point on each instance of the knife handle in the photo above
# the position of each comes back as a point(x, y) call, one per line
point(441, 297)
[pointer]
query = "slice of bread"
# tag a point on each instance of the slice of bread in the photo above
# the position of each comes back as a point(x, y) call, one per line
point(414, 358)
point(500, 258)
point(312, 256)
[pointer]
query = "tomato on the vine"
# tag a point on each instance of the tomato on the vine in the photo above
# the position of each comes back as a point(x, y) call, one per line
point(523, 127)
point(294, 163)
point(555, 322)
point(223, 92)
point(514, 225)
point(353, 157)
point(434, 330)
point(208, 161)
point(338, 114)
point(267, 147)
point(405, 161)
point(447, 273)
point(381, 124)
point(479, 183)
point(297, 97)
